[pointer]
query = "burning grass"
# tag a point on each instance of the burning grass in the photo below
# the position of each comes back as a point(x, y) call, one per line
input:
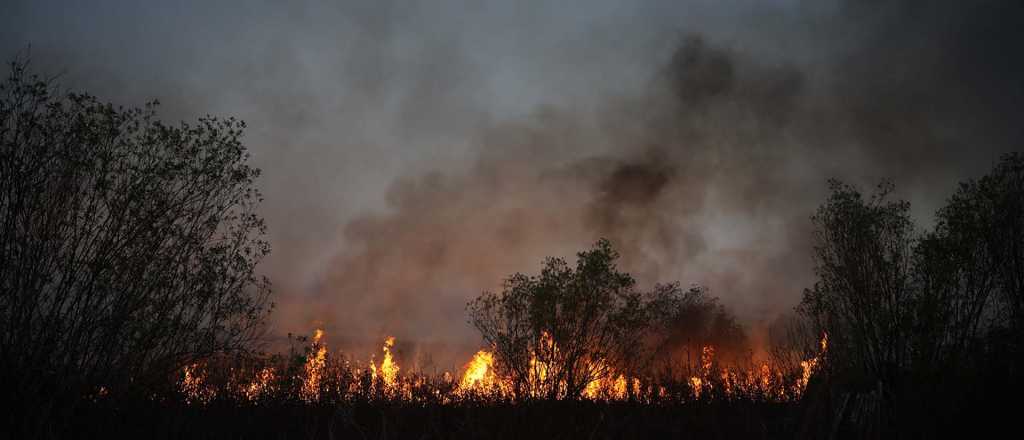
point(319, 377)
point(320, 393)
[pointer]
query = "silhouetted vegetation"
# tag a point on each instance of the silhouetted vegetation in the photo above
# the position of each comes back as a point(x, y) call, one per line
point(130, 305)
point(127, 246)
point(557, 332)
point(924, 325)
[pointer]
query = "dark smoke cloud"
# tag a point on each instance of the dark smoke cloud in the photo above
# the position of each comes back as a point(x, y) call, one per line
point(692, 185)
point(418, 155)
point(709, 178)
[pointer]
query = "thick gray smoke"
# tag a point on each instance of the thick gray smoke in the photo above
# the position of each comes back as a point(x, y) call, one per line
point(415, 156)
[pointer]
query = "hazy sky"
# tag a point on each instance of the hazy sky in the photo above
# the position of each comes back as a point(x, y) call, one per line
point(415, 153)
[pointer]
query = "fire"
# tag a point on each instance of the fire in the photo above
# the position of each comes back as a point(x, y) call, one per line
point(479, 375)
point(764, 382)
point(619, 387)
point(388, 372)
point(314, 368)
point(808, 367)
point(481, 378)
point(388, 367)
point(608, 387)
point(707, 355)
point(700, 383)
point(539, 369)
point(261, 384)
point(193, 385)
point(697, 385)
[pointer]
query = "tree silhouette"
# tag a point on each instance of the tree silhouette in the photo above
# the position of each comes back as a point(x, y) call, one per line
point(864, 264)
point(128, 246)
point(972, 277)
point(557, 332)
point(683, 323)
point(910, 312)
point(984, 220)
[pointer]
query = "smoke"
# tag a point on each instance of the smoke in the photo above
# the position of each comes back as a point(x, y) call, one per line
point(415, 156)
point(706, 177)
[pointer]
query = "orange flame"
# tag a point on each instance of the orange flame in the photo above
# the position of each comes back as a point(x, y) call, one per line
point(482, 378)
point(314, 369)
point(261, 384)
point(479, 375)
point(701, 383)
point(388, 372)
point(808, 367)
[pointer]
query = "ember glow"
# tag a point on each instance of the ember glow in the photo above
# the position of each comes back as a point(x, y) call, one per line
point(193, 385)
point(700, 383)
point(262, 384)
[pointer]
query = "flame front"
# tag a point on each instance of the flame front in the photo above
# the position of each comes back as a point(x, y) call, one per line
point(482, 379)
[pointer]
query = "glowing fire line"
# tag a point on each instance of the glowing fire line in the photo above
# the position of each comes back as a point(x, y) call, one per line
point(481, 377)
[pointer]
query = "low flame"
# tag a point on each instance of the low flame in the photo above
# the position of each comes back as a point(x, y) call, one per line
point(261, 384)
point(481, 378)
